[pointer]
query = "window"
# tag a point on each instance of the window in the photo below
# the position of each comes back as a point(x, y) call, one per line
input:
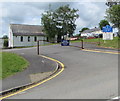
point(35, 38)
point(28, 38)
point(21, 38)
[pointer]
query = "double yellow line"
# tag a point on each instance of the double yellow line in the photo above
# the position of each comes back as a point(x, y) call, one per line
point(62, 65)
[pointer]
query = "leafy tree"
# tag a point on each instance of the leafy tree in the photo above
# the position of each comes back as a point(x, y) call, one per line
point(5, 44)
point(83, 29)
point(103, 23)
point(66, 18)
point(5, 37)
point(113, 15)
point(49, 25)
point(60, 22)
point(110, 3)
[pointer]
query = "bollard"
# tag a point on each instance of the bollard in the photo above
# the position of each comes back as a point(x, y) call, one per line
point(82, 44)
point(38, 47)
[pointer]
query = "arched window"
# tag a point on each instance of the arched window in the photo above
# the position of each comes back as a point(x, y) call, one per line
point(21, 38)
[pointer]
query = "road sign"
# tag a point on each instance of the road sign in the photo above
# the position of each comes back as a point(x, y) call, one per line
point(65, 43)
point(107, 28)
point(107, 36)
point(107, 32)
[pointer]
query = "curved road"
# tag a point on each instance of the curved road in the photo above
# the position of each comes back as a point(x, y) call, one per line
point(87, 75)
point(37, 65)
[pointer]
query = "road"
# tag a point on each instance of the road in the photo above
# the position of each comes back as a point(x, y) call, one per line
point(87, 75)
point(37, 65)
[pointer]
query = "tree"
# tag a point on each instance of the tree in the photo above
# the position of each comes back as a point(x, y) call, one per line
point(113, 15)
point(103, 23)
point(61, 22)
point(66, 18)
point(5, 38)
point(83, 29)
point(49, 25)
point(110, 3)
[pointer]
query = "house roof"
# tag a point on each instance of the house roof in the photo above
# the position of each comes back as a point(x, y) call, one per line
point(21, 29)
point(91, 30)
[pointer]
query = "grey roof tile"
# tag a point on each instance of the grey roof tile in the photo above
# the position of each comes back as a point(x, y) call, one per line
point(21, 29)
point(91, 30)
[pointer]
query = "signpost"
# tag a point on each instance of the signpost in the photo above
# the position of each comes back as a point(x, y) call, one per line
point(107, 35)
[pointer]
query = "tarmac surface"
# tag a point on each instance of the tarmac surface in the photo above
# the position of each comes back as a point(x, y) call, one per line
point(37, 65)
point(87, 75)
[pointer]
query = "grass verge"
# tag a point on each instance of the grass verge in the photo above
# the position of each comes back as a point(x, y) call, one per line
point(111, 43)
point(115, 43)
point(11, 64)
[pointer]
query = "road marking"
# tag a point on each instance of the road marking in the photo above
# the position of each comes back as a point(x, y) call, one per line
point(116, 98)
point(43, 61)
point(62, 65)
point(99, 51)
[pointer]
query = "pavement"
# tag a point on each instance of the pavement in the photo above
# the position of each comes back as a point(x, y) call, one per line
point(38, 66)
point(87, 75)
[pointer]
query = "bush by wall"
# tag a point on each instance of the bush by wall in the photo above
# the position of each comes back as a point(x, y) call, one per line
point(5, 44)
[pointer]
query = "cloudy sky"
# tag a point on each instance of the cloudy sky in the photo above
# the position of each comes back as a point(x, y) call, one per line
point(90, 13)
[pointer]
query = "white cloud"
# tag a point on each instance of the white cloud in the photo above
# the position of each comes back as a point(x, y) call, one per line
point(30, 13)
point(33, 21)
point(53, 1)
point(81, 23)
point(34, 1)
point(90, 14)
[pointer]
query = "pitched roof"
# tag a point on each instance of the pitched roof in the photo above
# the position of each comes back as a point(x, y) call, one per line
point(91, 30)
point(21, 29)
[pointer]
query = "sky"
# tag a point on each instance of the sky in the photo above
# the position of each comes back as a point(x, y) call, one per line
point(24, 12)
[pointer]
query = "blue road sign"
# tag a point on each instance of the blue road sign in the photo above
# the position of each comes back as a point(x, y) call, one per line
point(65, 43)
point(107, 28)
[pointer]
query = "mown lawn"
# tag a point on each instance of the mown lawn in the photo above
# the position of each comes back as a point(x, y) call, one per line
point(115, 43)
point(11, 64)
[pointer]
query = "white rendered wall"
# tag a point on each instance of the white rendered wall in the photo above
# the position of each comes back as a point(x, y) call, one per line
point(1, 43)
point(10, 38)
point(17, 41)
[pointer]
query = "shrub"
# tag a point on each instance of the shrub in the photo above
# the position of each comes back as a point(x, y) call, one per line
point(100, 35)
point(5, 44)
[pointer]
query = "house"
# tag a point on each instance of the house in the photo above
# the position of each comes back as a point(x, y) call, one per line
point(21, 35)
point(91, 32)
